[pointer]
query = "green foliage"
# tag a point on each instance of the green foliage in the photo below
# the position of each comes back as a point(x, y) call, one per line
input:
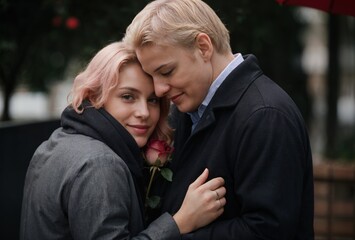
point(37, 46)
point(272, 33)
point(153, 202)
point(344, 150)
point(167, 174)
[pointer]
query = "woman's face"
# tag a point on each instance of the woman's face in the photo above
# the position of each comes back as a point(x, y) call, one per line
point(134, 104)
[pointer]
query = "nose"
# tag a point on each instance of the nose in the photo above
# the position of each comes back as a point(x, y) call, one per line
point(161, 88)
point(142, 110)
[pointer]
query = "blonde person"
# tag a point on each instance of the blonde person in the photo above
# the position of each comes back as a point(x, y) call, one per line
point(230, 117)
point(86, 181)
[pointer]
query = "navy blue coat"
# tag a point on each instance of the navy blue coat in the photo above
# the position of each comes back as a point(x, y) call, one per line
point(253, 135)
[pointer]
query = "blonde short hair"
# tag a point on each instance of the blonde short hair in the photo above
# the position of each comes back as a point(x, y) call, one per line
point(177, 22)
point(102, 75)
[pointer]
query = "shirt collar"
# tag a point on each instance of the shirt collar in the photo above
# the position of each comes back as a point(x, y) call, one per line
point(238, 59)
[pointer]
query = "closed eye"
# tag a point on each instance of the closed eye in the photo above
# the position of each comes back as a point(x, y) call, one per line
point(166, 73)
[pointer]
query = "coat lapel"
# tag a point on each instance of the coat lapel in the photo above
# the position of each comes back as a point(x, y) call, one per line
point(227, 96)
point(231, 90)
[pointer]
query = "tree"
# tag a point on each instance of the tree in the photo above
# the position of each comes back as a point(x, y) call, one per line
point(332, 85)
point(273, 33)
point(37, 42)
point(38, 38)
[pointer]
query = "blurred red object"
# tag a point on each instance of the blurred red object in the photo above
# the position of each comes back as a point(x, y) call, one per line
point(72, 23)
point(344, 7)
point(56, 21)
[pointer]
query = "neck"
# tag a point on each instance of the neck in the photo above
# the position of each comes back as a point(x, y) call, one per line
point(220, 62)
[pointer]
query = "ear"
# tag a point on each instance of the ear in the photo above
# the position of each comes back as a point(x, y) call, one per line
point(205, 46)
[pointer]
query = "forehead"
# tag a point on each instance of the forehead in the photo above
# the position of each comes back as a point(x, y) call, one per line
point(155, 49)
point(152, 56)
point(133, 74)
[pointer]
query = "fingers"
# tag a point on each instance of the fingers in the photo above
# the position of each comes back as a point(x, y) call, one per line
point(222, 202)
point(220, 199)
point(203, 203)
point(220, 192)
point(200, 180)
point(217, 195)
point(213, 184)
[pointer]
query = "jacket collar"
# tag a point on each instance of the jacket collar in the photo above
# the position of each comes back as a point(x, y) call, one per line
point(232, 89)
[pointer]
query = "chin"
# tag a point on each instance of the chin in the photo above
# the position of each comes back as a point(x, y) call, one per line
point(141, 142)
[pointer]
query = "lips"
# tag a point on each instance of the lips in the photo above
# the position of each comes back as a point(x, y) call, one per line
point(175, 98)
point(139, 129)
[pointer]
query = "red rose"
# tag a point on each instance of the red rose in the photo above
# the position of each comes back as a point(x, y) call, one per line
point(157, 152)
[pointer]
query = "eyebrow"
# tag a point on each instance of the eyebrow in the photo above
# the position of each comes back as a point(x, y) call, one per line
point(137, 91)
point(129, 88)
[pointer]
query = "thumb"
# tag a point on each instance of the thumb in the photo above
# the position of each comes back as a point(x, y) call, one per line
point(200, 180)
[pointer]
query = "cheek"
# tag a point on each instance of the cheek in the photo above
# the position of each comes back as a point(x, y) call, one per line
point(155, 115)
point(204, 78)
point(119, 114)
point(195, 78)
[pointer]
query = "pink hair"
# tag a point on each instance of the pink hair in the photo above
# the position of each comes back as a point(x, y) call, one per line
point(102, 75)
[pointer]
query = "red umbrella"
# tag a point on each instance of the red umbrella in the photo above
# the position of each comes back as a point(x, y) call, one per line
point(345, 7)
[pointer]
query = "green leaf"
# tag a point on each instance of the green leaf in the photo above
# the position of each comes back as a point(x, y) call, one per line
point(167, 174)
point(153, 201)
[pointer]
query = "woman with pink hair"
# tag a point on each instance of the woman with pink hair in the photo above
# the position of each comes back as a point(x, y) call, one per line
point(86, 181)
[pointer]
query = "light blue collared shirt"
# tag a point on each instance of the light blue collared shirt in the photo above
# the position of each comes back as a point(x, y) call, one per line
point(196, 116)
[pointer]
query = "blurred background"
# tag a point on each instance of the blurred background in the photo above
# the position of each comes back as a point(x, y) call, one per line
point(44, 44)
